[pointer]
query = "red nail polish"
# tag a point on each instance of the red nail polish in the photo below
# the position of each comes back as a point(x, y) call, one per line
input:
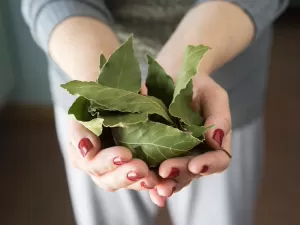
point(133, 176)
point(204, 169)
point(118, 161)
point(85, 146)
point(144, 185)
point(174, 173)
point(218, 136)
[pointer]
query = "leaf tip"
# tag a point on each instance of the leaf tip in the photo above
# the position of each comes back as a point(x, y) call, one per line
point(210, 127)
point(149, 58)
point(64, 86)
point(130, 39)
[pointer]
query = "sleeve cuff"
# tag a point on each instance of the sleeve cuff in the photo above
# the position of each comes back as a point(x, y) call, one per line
point(55, 12)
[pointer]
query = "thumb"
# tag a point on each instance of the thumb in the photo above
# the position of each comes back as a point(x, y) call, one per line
point(84, 141)
point(219, 136)
point(214, 103)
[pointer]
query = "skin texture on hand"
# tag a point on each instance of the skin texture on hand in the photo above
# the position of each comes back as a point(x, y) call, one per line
point(183, 170)
point(227, 30)
point(75, 45)
point(111, 168)
point(221, 25)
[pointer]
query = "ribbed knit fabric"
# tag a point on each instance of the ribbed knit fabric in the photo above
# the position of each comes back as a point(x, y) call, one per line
point(152, 22)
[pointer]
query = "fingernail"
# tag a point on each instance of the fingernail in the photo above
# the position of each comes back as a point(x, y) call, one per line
point(144, 185)
point(218, 136)
point(118, 161)
point(204, 169)
point(85, 146)
point(133, 176)
point(174, 173)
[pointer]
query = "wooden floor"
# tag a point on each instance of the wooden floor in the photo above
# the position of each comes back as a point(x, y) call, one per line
point(33, 186)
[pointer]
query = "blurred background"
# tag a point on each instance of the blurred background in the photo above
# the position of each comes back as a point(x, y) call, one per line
point(33, 188)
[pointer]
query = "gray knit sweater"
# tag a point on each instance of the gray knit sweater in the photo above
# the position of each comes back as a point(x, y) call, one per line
point(152, 22)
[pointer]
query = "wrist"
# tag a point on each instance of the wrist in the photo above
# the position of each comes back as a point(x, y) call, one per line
point(222, 26)
point(76, 45)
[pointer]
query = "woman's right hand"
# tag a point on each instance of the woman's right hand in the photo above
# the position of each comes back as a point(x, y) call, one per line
point(111, 168)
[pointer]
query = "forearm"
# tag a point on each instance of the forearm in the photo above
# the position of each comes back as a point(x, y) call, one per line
point(76, 44)
point(223, 26)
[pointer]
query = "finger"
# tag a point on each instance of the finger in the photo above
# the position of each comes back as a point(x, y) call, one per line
point(108, 160)
point(86, 143)
point(177, 169)
point(180, 186)
point(147, 183)
point(211, 162)
point(214, 105)
point(166, 188)
point(125, 175)
point(103, 186)
point(144, 89)
point(74, 158)
point(157, 199)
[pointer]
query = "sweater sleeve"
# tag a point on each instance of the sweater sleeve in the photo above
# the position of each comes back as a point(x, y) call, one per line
point(262, 12)
point(42, 16)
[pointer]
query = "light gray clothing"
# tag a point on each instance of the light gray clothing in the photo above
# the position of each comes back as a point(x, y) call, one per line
point(152, 22)
point(221, 199)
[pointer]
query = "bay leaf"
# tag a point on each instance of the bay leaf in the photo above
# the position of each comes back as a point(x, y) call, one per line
point(78, 111)
point(183, 93)
point(117, 99)
point(102, 61)
point(122, 69)
point(94, 125)
point(154, 142)
point(117, 119)
point(159, 84)
point(197, 131)
point(95, 108)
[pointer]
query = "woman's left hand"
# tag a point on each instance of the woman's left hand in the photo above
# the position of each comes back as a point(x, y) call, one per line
point(179, 172)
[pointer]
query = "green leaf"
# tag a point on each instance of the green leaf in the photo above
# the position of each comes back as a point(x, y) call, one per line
point(117, 99)
point(183, 94)
point(102, 61)
point(197, 131)
point(122, 69)
point(78, 111)
point(94, 125)
point(117, 119)
point(95, 108)
point(154, 142)
point(158, 82)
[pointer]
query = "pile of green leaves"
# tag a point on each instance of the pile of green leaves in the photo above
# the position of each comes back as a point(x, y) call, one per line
point(155, 127)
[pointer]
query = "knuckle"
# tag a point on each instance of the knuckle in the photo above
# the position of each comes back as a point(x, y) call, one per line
point(224, 161)
point(74, 163)
point(72, 156)
point(223, 93)
point(123, 152)
point(108, 189)
point(109, 167)
point(93, 171)
point(228, 124)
